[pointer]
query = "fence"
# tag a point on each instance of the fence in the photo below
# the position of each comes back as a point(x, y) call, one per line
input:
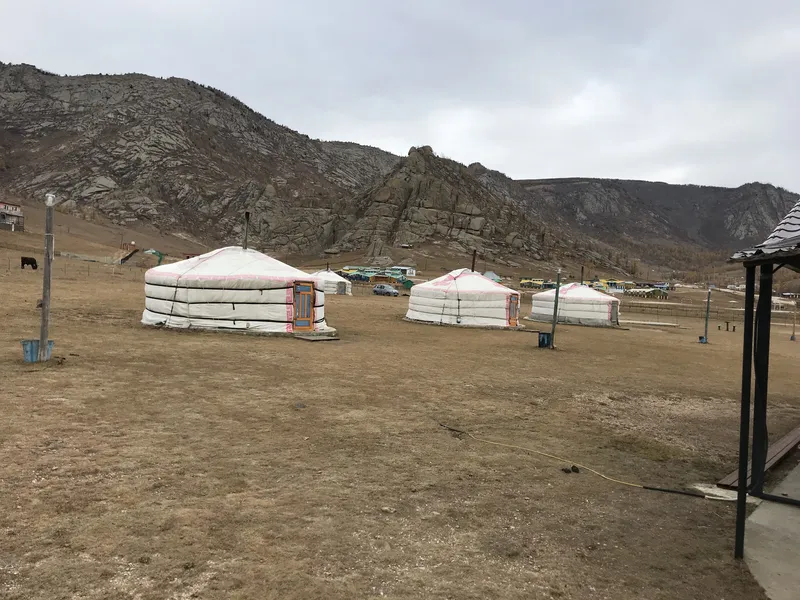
point(65, 268)
point(697, 311)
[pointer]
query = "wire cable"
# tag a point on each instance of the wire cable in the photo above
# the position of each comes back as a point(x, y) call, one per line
point(596, 472)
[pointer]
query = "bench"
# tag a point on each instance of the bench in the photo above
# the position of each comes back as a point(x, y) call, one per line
point(775, 454)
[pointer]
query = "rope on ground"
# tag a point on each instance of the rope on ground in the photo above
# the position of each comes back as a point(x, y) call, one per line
point(598, 473)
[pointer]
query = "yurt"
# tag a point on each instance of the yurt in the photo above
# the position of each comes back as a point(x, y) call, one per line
point(234, 289)
point(333, 283)
point(464, 298)
point(578, 304)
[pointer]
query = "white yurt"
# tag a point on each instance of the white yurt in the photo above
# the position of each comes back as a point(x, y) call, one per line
point(465, 298)
point(333, 283)
point(578, 304)
point(234, 288)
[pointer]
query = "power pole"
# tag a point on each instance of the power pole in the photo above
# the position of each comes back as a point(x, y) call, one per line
point(555, 311)
point(44, 330)
point(708, 310)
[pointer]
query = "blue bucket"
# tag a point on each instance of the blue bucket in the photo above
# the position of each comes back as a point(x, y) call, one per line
point(544, 339)
point(30, 350)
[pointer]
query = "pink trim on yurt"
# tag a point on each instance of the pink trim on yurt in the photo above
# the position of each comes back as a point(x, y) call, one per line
point(289, 309)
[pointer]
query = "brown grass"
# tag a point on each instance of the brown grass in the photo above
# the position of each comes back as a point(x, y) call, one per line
point(157, 464)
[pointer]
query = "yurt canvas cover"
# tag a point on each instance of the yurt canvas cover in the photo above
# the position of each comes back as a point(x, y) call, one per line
point(578, 304)
point(234, 288)
point(333, 283)
point(465, 298)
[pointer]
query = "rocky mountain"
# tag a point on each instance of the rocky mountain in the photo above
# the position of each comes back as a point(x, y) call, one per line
point(177, 155)
point(641, 211)
point(184, 157)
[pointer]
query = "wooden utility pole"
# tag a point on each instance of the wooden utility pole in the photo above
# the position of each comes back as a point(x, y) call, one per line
point(246, 227)
point(44, 330)
point(555, 311)
point(708, 311)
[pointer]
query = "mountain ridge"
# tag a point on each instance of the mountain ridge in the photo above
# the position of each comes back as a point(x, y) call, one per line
point(181, 156)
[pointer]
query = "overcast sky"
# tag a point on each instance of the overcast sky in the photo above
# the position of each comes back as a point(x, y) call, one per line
point(702, 91)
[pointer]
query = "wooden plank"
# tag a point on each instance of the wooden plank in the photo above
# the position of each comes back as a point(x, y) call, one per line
point(317, 338)
point(775, 454)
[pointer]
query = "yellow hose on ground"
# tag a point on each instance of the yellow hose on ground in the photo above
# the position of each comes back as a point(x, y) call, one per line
point(598, 473)
point(540, 453)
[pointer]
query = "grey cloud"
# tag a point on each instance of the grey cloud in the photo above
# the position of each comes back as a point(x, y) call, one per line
point(678, 91)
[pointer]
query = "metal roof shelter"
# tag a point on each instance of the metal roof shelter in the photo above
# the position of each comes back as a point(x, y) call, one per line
point(780, 249)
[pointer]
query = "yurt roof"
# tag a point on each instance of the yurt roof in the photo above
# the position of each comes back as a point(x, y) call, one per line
point(329, 275)
point(464, 280)
point(782, 243)
point(576, 291)
point(232, 263)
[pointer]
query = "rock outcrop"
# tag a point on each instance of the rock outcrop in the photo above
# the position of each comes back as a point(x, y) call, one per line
point(426, 198)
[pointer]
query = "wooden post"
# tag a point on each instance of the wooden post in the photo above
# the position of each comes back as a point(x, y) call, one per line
point(744, 416)
point(761, 338)
point(44, 330)
point(555, 311)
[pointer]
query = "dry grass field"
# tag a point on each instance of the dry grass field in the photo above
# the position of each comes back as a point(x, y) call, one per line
point(155, 464)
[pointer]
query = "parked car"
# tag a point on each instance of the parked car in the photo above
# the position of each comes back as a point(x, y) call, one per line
point(384, 289)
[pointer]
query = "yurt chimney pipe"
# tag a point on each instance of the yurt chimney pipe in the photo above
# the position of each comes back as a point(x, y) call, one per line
point(474, 257)
point(581, 274)
point(246, 227)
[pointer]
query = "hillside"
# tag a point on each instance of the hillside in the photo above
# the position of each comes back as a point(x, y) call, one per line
point(179, 157)
point(174, 154)
point(712, 217)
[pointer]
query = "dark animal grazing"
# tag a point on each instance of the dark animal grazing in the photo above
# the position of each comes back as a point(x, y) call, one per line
point(27, 260)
